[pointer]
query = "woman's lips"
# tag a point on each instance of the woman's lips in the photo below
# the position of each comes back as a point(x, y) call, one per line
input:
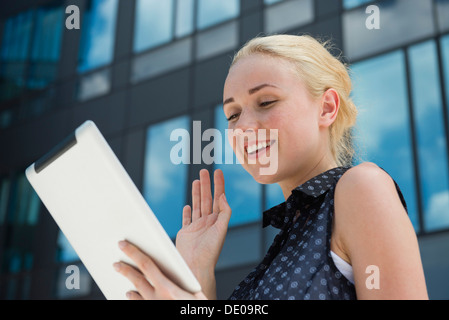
point(256, 150)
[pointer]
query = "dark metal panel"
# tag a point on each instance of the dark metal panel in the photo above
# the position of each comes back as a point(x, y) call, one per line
point(325, 8)
point(133, 155)
point(70, 44)
point(227, 280)
point(160, 98)
point(30, 141)
point(107, 112)
point(250, 5)
point(11, 8)
point(124, 30)
point(329, 28)
point(251, 25)
point(209, 77)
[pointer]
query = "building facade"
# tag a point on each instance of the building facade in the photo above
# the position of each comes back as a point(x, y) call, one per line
point(141, 69)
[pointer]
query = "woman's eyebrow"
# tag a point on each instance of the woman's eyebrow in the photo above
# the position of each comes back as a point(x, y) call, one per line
point(258, 88)
point(230, 100)
point(251, 91)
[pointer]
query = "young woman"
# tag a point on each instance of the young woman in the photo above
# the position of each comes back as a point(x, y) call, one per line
point(345, 233)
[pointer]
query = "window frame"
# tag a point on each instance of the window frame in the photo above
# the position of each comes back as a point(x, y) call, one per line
point(443, 80)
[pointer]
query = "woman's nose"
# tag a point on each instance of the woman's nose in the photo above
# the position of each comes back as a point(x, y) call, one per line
point(246, 123)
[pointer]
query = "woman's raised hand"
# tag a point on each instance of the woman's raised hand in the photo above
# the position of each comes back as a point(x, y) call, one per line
point(204, 228)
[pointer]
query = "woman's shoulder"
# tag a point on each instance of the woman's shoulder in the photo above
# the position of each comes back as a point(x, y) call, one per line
point(367, 193)
point(365, 177)
point(363, 171)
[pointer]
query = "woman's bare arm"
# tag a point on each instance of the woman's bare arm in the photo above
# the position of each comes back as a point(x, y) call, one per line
point(376, 234)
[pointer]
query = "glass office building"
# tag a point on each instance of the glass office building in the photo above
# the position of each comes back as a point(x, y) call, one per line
point(142, 69)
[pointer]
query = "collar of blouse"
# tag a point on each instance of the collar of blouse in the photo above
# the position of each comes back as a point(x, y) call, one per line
point(302, 197)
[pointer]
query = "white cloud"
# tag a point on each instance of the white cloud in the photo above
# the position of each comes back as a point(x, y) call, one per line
point(438, 211)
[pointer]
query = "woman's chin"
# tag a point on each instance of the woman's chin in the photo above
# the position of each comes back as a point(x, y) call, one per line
point(261, 177)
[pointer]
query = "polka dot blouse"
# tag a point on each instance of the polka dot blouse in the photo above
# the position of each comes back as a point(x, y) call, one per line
point(299, 265)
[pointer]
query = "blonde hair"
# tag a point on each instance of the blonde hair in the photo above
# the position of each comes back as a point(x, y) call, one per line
point(320, 71)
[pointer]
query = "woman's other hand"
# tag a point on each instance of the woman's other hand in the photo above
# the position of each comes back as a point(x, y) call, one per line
point(204, 228)
point(148, 279)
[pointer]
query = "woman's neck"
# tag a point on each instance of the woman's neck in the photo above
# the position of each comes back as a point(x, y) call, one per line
point(306, 174)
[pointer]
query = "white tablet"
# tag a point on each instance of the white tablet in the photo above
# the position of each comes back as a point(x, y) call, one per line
point(96, 204)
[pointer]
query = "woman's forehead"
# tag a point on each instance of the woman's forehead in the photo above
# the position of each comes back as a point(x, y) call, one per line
point(258, 69)
point(262, 61)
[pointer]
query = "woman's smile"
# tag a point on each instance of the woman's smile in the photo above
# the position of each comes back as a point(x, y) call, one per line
point(256, 149)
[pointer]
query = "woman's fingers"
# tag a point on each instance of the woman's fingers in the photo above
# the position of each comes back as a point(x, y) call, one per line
point(150, 279)
point(202, 202)
point(219, 189)
point(196, 200)
point(143, 262)
point(206, 194)
point(186, 216)
point(132, 295)
point(137, 279)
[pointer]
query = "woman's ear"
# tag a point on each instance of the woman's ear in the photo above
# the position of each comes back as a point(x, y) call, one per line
point(330, 104)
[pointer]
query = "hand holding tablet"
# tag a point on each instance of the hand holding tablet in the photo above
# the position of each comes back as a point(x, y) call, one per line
point(96, 204)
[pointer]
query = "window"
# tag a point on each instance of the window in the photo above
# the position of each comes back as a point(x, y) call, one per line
point(98, 34)
point(382, 132)
point(274, 196)
point(94, 85)
point(414, 16)
point(173, 56)
point(153, 24)
point(217, 40)
point(30, 52)
point(212, 12)
point(4, 195)
point(349, 4)
point(46, 46)
point(184, 17)
point(244, 194)
point(431, 139)
point(6, 118)
point(445, 56)
point(442, 12)
point(269, 2)
point(23, 43)
point(164, 182)
point(14, 54)
point(160, 22)
point(65, 252)
point(25, 203)
point(243, 247)
point(288, 14)
point(21, 217)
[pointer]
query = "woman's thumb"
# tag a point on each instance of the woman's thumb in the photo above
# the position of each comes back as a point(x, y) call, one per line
point(225, 209)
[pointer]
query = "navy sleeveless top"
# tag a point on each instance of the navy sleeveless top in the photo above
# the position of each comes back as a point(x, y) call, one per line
point(299, 265)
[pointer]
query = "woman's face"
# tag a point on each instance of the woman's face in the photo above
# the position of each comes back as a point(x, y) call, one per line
point(265, 93)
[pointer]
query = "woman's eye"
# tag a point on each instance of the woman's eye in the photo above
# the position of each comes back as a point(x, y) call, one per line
point(233, 117)
point(266, 103)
